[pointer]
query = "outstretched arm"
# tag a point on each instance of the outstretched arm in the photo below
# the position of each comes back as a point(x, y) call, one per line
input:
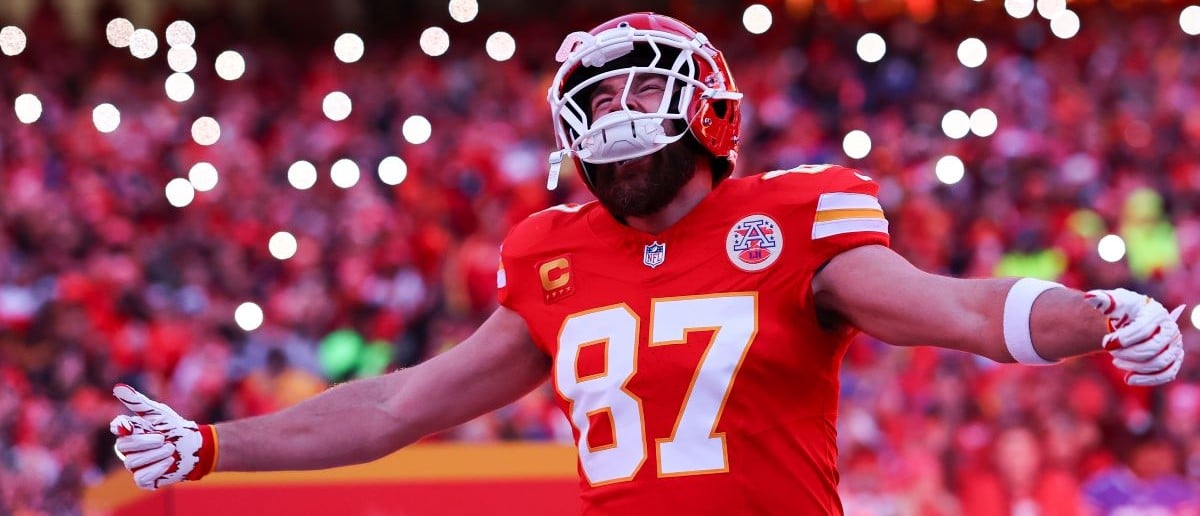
point(354, 422)
point(914, 307)
point(366, 419)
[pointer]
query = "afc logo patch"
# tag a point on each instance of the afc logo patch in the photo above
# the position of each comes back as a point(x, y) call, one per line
point(557, 282)
point(754, 243)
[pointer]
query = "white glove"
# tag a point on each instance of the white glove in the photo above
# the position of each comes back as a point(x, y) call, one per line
point(1144, 339)
point(157, 445)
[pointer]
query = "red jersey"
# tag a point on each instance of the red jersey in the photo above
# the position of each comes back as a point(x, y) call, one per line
point(691, 363)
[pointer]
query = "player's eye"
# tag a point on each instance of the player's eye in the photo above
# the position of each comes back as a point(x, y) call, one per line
point(600, 102)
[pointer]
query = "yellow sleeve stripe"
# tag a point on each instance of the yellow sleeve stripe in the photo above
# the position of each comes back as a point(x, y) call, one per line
point(828, 215)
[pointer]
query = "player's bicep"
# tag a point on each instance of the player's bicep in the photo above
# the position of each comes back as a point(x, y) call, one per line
point(495, 366)
point(884, 295)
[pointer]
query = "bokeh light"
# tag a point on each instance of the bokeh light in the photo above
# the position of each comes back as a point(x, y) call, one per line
point(1048, 9)
point(972, 52)
point(283, 245)
point(344, 173)
point(106, 118)
point(956, 124)
point(180, 33)
point(203, 176)
point(143, 44)
point(500, 46)
point(871, 47)
point(1018, 8)
point(336, 106)
point(206, 130)
point(1111, 248)
point(463, 11)
point(12, 40)
point(857, 144)
point(230, 65)
point(984, 122)
point(348, 47)
point(949, 170)
point(181, 59)
point(757, 19)
point(180, 192)
point(118, 32)
point(435, 41)
point(1196, 316)
point(393, 170)
point(1189, 20)
point(416, 129)
point(302, 175)
point(248, 316)
point(28, 108)
point(180, 87)
point(1065, 25)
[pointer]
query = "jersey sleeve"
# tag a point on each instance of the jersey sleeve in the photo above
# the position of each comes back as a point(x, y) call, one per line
point(836, 209)
point(846, 214)
point(518, 285)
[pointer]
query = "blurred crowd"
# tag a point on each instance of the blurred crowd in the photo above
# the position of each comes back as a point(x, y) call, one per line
point(102, 281)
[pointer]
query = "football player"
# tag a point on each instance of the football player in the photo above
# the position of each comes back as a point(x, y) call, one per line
point(692, 324)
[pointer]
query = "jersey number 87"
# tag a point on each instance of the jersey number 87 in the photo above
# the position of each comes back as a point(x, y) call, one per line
point(694, 446)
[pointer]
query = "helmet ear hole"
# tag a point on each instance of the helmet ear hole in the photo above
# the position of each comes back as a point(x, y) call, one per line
point(720, 108)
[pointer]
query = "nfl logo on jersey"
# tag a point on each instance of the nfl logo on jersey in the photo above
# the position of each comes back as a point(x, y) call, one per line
point(655, 255)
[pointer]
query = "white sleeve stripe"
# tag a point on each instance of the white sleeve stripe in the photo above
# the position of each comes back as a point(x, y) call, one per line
point(843, 226)
point(847, 201)
point(501, 278)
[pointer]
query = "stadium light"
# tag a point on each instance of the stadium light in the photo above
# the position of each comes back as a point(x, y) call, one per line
point(203, 176)
point(28, 108)
point(348, 48)
point(1189, 21)
point(230, 65)
point(248, 316)
point(180, 192)
point(282, 245)
point(871, 47)
point(393, 170)
point(1048, 9)
point(1018, 8)
point(118, 32)
point(956, 124)
point(179, 87)
point(416, 129)
point(344, 173)
point(1065, 25)
point(336, 106)
point(1196, 316)
point(463, 11)
point(1111, 248)
point(949, 170)
point(143, 44)
point(857, 144)
point(206, 131)
point(500, 46)
point(972, 52)
point(12, 40)
point(435, 41)
point(983, 122)
point(180, 34)
point(757, 19)
point(181, 59)
point(302, 175)
point(106, 118)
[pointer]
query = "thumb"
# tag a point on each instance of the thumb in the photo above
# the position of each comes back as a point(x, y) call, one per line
point(1177, 312)
point(139, 404)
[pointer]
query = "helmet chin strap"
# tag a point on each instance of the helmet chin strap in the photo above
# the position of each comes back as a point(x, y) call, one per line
point(618, 136)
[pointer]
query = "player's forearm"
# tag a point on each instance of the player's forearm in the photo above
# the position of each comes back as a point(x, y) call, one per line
point(347, 424)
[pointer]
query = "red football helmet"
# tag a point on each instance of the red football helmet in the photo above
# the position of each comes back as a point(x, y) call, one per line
point(699, 93)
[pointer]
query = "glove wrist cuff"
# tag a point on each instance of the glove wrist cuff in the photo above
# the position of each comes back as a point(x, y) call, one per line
point(207, 454)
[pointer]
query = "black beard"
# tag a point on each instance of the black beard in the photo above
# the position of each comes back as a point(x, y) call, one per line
point(646, 185)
